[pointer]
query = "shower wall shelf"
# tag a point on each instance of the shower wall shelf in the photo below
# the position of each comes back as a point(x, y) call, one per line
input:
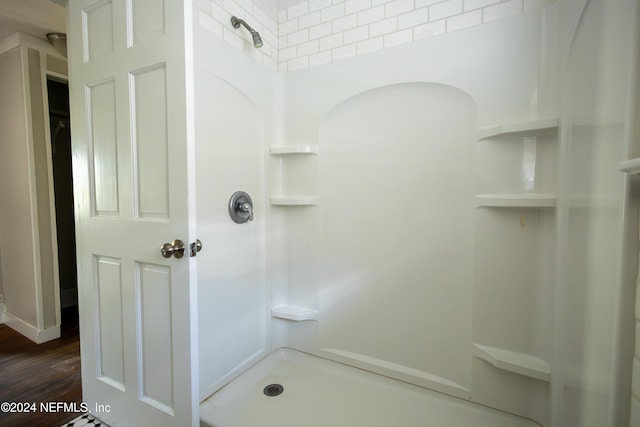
point(293, 152)
point(532, 128)
point(294, 313)
point(518, 200)
point(293, 149)
point(631, 166)
point(512, 361)
point(294, 201)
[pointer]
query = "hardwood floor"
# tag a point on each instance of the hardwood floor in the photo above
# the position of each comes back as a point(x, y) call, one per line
point(36, 373)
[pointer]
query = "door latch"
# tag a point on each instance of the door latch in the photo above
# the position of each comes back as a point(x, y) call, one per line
point(195, 248)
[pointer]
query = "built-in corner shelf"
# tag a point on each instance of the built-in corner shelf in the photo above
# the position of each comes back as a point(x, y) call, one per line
point(512, 361)
point(294, 313)
point(518, 200)
point(294, 201)
point(532, 128)
point(293, 149)
point(631, 166)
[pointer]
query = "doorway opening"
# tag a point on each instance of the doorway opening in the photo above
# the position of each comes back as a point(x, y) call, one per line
point(58, 91)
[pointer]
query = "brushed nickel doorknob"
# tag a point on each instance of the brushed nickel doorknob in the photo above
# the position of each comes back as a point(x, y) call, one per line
point(175, 248)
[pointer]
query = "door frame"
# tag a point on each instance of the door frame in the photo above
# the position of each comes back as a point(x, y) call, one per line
point(47, 74)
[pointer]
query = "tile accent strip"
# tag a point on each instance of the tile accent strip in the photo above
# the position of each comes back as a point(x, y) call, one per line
point(313, 32)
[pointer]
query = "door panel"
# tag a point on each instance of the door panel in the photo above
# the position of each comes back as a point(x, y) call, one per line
point(102, 140)
point(137, 327)
point(147, 20)
point(149, 105)
point(154, 330)
point(97, 29)
point(108, 289)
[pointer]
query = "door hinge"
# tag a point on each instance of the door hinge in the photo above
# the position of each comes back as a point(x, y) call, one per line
point(195, 247)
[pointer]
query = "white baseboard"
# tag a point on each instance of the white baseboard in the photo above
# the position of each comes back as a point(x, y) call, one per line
point(3, 308)
point(34, 334)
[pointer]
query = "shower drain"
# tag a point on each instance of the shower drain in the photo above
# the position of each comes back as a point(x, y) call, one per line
point(273, 390)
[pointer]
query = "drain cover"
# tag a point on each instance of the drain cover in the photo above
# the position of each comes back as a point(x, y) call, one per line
point(273, 390)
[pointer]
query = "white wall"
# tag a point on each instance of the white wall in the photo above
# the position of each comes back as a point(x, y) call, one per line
point(20, 282)
point(26, 225)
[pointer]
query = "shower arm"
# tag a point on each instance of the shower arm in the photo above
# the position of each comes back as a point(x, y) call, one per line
point(257, 40)
point(236, 22)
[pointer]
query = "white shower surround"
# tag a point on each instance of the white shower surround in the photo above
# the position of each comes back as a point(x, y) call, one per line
point(498, 334)
point(313, 201)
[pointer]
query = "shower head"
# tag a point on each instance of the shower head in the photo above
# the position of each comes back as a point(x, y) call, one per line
point(257, 40)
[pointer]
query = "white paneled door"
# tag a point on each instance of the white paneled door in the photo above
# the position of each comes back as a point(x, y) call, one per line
point(131, 89)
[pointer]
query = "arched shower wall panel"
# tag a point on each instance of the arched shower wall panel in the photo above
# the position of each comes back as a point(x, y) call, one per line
point(393, 242)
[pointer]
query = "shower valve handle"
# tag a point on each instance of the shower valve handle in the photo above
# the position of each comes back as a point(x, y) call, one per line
point(246, 207)
point(241, 207)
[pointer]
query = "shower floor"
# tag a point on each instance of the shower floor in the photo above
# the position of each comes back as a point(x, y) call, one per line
point(320, 393)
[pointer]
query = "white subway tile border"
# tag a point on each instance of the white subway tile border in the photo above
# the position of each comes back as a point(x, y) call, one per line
point(431, 29)
point(307, 33)
point(370, 15)
point(413, 19)
point(465, 20)
point(353, 6)
point(370, 45)
point(320, 58)
point(445, 9)
point(362, 26)
point(356, 35)
point(502, 10)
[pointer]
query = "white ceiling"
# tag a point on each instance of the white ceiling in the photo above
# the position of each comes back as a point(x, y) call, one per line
point(35, 17)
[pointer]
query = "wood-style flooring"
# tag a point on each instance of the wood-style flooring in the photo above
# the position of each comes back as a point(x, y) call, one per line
point(34, 373)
